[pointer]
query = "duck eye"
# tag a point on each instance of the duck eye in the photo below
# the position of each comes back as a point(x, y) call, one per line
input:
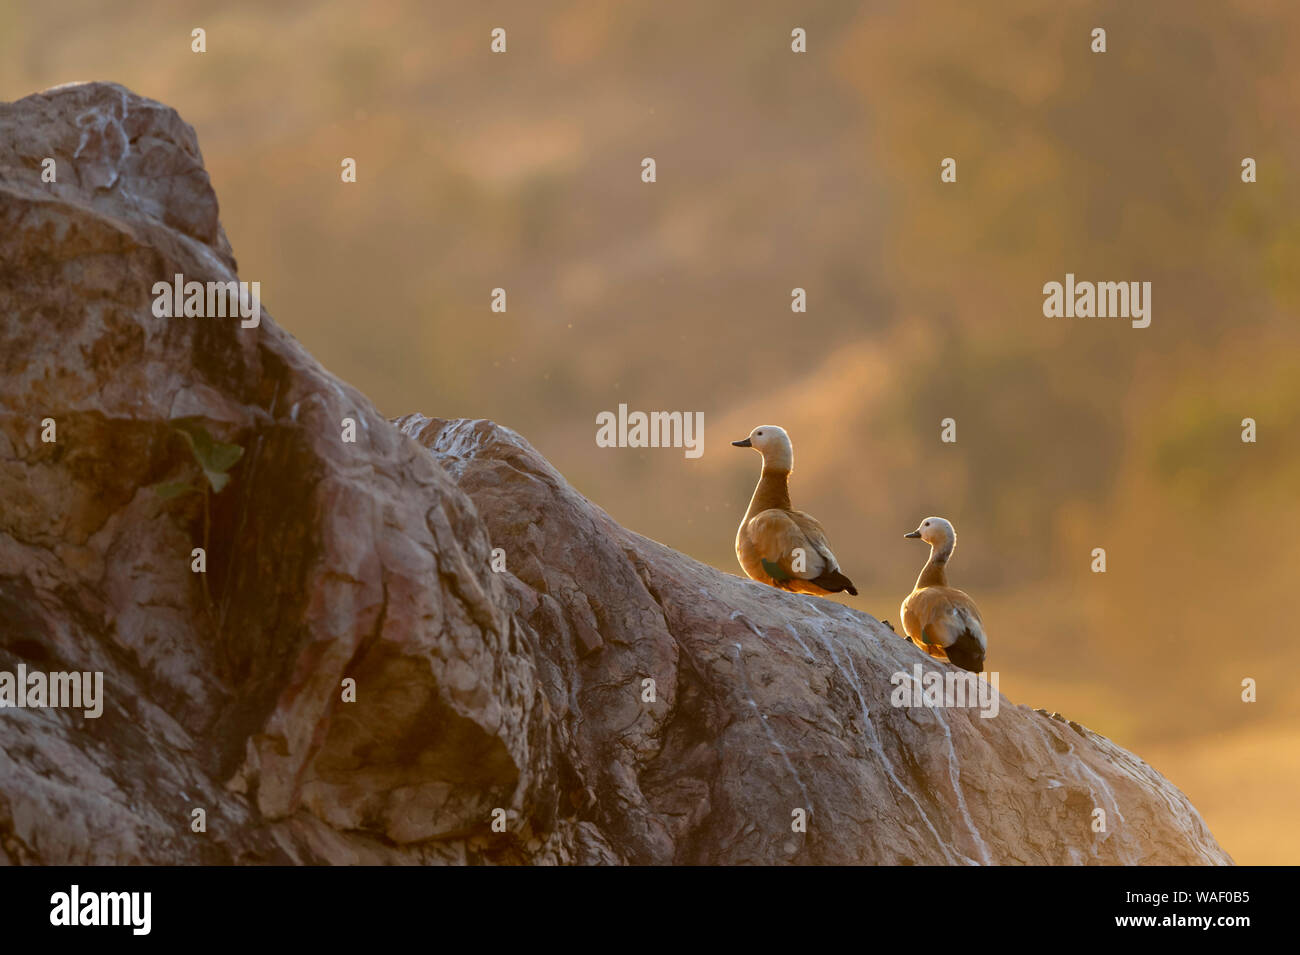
point(760, 434)
point(926, 524)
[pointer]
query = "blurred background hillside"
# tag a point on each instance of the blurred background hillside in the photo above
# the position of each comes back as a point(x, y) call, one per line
point(821, 171)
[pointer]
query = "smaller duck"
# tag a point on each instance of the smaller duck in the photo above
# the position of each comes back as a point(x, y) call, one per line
point(943, 620)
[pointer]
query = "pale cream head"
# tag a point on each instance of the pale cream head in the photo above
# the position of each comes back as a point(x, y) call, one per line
point(773, 443)
point(936, 532)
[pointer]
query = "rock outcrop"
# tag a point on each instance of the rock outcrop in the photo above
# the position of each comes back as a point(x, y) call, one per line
point(499, 631)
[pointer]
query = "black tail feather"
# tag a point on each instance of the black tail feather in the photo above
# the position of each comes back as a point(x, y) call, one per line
point(966, 653)
point(834, 581)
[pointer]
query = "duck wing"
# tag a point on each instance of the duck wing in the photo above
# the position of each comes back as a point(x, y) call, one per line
point(780, 542)
point(947, 618)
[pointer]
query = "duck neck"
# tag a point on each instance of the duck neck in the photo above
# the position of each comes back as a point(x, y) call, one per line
point(935, 571)
point(773, 491)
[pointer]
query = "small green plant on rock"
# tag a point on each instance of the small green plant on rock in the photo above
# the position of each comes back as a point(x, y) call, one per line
point(215, 459)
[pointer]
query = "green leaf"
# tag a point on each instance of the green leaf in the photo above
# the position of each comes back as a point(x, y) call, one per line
point(214, 457)
point(170, 489)
point(222, 457)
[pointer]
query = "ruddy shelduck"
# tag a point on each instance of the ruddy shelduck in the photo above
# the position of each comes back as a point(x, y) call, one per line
point(943, 620)
point(776, 544)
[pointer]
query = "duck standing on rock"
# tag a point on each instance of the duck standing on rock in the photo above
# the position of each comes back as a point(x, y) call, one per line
point(943, 620)
point(776, 544)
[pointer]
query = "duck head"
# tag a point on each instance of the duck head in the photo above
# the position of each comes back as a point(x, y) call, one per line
point(773, 443)
point(936, 532)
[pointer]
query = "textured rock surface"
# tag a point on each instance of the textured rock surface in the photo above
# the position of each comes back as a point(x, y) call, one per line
point(476, 690)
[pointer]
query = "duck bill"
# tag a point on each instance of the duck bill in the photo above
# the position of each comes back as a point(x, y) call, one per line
point(913, 534)
point(743, 444)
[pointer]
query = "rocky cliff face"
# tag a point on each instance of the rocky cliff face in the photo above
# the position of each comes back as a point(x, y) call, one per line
point(498, 630)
